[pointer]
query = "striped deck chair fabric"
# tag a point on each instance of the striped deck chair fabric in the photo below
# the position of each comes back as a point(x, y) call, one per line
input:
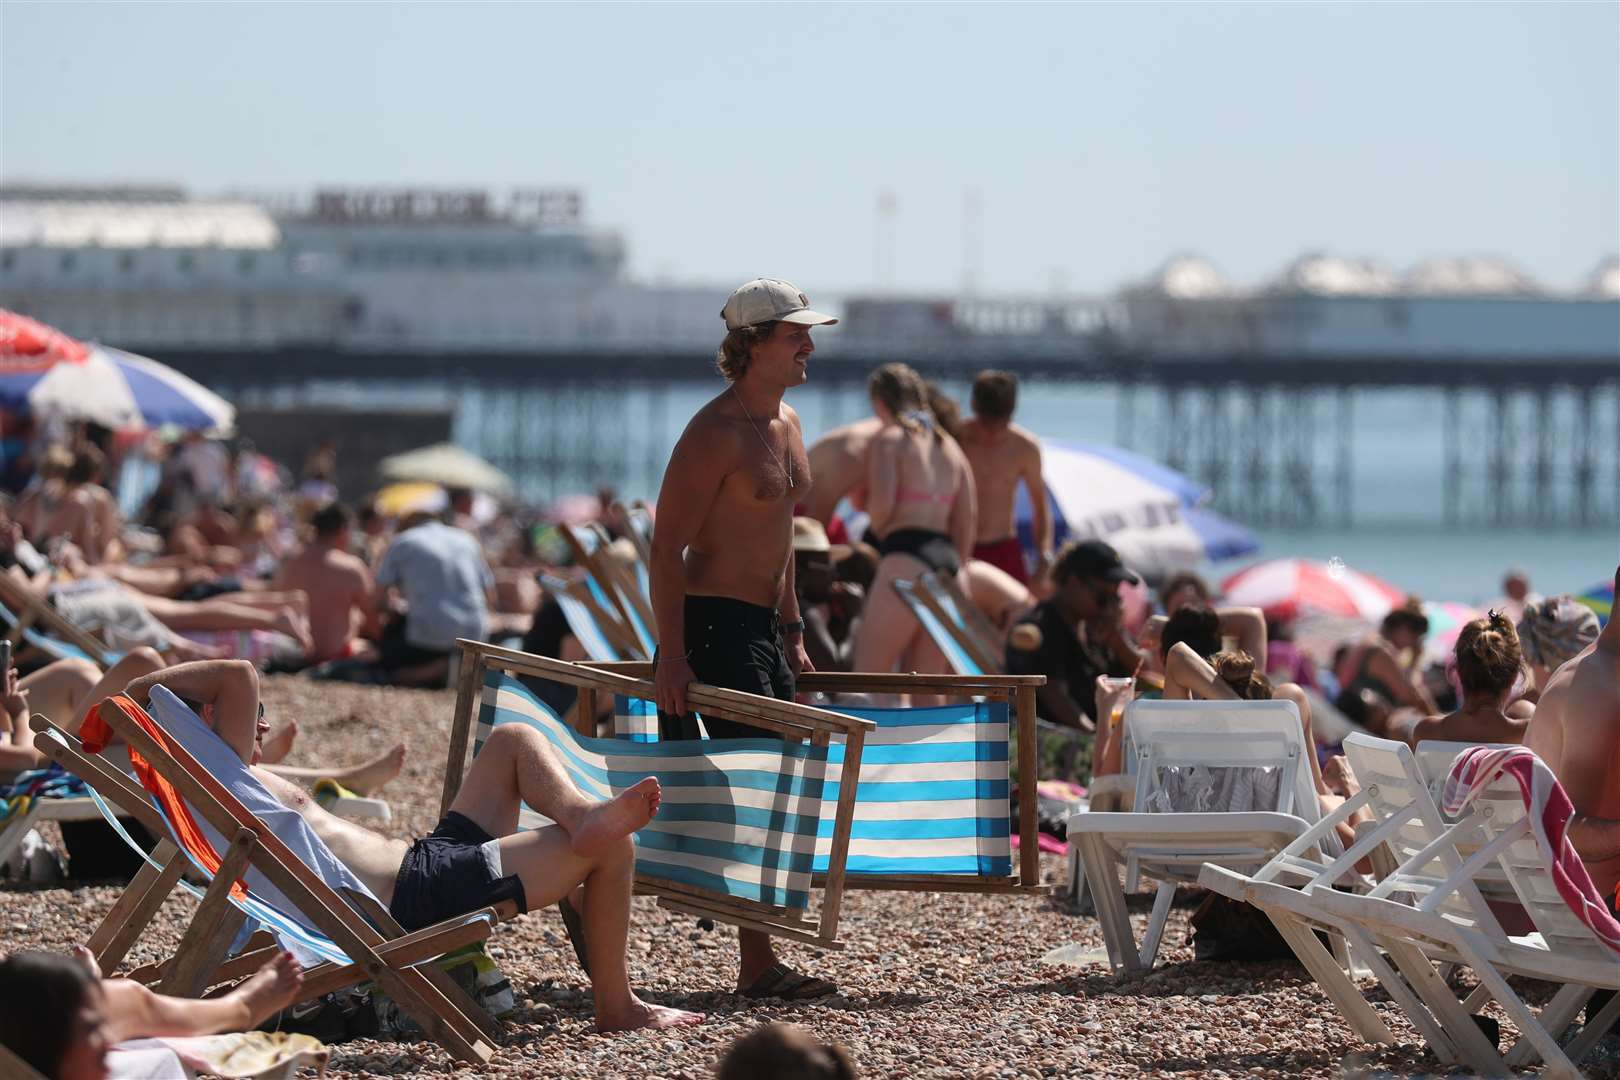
point(933, 793)
point(582, 621)
point(740, 821)
point(958, 657)
point(605, 590)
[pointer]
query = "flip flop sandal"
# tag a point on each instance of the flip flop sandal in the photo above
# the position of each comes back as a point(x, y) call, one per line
point(575, 927)
point(780, 981)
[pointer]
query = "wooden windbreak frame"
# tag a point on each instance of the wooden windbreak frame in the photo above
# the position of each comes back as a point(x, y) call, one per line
point(30, 609)
point(1017, 690)
point(783, 718)
point(381, 953)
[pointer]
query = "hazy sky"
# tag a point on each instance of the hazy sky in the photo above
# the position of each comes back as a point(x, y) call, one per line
point(733, 140)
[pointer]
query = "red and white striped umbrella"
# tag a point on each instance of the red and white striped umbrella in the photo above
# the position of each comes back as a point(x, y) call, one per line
point(1292, 588)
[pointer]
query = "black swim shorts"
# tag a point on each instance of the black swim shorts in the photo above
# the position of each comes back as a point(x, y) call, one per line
point(449, 872)
point(734, 645)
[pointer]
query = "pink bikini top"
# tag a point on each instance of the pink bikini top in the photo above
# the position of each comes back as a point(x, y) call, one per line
point(912, 495)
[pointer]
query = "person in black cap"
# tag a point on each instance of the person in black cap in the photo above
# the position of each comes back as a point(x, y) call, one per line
point(1076, 635)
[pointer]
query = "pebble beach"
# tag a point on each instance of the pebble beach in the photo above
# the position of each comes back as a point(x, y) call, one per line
point(931, 985)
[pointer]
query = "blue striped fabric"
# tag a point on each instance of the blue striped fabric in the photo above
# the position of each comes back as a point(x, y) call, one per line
point(591, 541)
point(580, 621)
point(961, 662)
point(740, 821)
point(933, 793)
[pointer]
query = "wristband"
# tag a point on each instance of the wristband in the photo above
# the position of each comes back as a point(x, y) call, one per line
point(794, 627)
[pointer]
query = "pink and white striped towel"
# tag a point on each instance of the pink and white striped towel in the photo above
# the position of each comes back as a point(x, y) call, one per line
point(1549, 811)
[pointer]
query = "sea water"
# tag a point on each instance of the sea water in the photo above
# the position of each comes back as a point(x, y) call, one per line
point(622, 436)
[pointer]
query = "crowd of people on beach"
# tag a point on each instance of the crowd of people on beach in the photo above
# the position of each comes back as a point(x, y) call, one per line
point(772, 554)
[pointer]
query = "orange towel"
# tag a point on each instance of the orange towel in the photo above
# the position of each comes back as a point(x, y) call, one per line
point(97, 733)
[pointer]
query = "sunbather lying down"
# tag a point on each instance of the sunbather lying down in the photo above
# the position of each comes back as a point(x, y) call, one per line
point(67, 689)
point(476, 857)
point(61, 1016)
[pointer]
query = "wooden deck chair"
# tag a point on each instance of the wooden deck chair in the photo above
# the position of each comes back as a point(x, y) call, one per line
point(640, 517)
point(959, 650)
point(932, 804)
point(1215, 781)
point(736, 835)
point(257, 876)
point(13, 1067)
point(1432, 909)
point(970, 620)
point(33, 620)
point(612, 584)
point(600, 630)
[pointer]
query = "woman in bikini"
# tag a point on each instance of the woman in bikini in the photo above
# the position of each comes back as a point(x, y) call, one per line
point(1374, 677)
point(920, 498)
point(1488, 671)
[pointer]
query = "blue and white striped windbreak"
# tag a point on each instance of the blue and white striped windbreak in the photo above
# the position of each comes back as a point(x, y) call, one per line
point(738, 818)
point(933, 790)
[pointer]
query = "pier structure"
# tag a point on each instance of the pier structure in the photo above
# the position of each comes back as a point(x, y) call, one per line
point(1526, 440)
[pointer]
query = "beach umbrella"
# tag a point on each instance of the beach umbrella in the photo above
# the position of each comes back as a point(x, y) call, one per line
point(1600, 598)
point(1152, 515)
point(448, 466)
point(1446, 621)
point(399, 500)
point(1292, 588)
point(50, 375)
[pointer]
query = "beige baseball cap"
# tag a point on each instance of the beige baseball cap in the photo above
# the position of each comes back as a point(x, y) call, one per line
point(766, 300)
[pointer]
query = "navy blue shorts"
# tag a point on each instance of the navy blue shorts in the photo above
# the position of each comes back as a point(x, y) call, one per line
point(448, 873)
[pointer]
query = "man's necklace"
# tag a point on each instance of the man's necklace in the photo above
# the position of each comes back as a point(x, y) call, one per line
point(785, 461)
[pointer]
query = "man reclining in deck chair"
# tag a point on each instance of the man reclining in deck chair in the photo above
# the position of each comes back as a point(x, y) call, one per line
point(476, 857)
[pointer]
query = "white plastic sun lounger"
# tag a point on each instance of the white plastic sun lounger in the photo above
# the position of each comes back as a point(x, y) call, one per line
point(1432, 908)
point(1403, 819)
point(1215, 781)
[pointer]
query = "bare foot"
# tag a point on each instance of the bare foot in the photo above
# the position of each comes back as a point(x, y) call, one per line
point(620, 816)
point(368, 776)
point(84, 956)
point(271, 989)
point(279, 744)
point(295, 626)
point(642, 1015)
point(185, 649)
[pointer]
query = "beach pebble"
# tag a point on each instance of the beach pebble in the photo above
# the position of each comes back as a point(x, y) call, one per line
point(930, 985)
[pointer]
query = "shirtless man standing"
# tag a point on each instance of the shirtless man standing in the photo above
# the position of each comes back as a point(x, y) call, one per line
point(1003, 454)
point(722, 558)
point(1576, 730)
point(337, 583)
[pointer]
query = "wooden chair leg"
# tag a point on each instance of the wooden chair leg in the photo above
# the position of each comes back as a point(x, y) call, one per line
point(208, 938)
point(123, 925)
point(16, 829)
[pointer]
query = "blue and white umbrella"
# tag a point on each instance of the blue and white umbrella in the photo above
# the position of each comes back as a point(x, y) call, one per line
point(118, 390)
point(1152, 515)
